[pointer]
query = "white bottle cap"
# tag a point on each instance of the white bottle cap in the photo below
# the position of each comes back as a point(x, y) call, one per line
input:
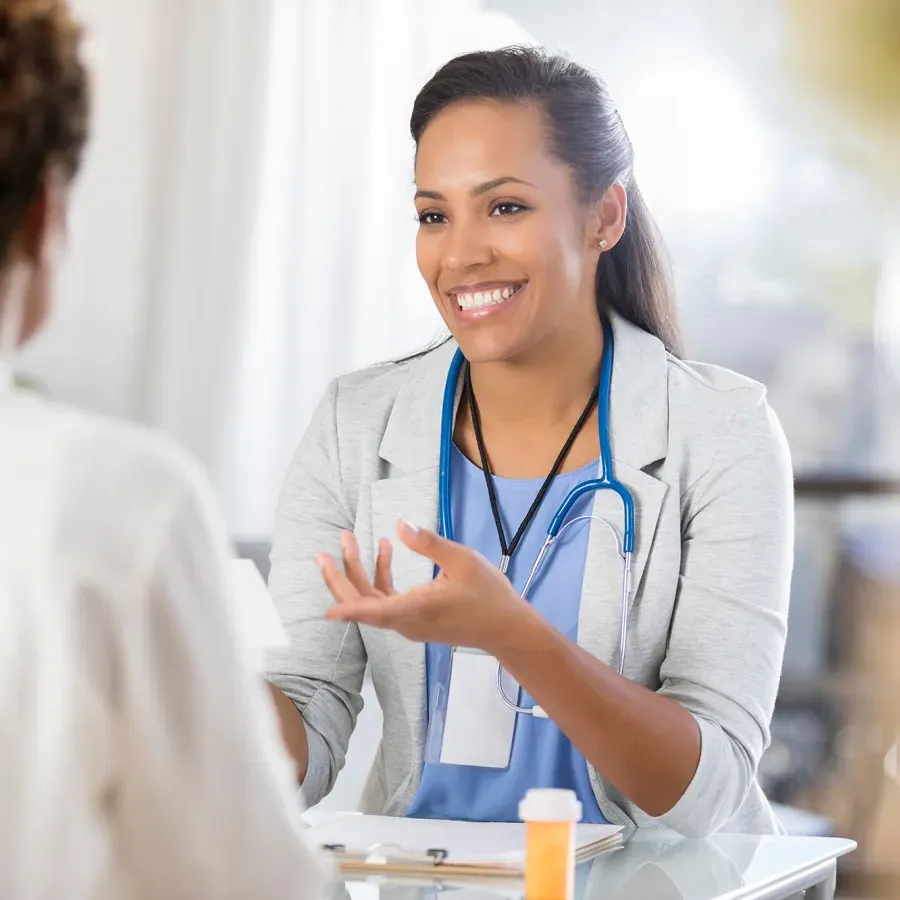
point(550, 805)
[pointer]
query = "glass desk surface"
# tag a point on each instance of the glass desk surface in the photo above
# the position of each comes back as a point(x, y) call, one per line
point(657, 867)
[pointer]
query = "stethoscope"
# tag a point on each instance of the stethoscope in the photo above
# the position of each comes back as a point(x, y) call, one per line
point(605, 482)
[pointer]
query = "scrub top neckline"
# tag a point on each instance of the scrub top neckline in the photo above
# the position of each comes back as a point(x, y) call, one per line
point(576, 475)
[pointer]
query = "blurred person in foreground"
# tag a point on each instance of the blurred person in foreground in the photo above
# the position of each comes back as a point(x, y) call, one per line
point(138, 756)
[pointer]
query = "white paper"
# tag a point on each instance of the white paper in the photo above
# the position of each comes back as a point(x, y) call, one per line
point(479, 726)
point(465, 842)
point(464, 891)
point(257, 621)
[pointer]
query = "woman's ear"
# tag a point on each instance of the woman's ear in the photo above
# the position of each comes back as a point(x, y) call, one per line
point(611, 211)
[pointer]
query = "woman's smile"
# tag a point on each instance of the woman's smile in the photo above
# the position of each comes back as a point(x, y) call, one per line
point(476, 301)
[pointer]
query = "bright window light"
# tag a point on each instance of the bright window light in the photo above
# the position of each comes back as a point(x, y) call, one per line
point(700, 149)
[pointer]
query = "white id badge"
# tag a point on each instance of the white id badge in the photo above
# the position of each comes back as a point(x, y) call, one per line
point(479, 726)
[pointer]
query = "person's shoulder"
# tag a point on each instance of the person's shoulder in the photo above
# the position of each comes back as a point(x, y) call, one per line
point(383, 381)
point(133, 475)
point(702, 391)
point(131, 451)
point(700, 399)
point(362, 401)
point(713, 386)
point(114, 493)
point(717, 413)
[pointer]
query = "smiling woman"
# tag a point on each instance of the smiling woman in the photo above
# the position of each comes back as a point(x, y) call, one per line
point(573, 416)
point(567, 174)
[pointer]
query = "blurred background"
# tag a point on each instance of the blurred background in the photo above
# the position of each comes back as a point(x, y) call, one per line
point(243, 232)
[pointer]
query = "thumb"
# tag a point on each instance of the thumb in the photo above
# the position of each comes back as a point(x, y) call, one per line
point(449, 556)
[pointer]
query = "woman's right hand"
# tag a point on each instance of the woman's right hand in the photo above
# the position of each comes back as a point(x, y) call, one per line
point(470, 603)
point(356, 573)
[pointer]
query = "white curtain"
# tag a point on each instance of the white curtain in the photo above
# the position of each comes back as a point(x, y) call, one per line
point(333, 283)
point(211, 76)
point(283, 233)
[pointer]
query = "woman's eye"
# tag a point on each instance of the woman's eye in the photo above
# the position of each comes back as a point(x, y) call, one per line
point(507, 209)
point(431, 218)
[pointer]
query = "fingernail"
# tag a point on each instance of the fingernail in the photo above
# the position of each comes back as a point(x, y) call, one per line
point(320, 559)
point(408, 526)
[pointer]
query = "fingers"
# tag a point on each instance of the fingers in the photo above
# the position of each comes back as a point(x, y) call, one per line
point(353, 567)
point(342, 589)
point(384, 578)
point(451, 557)
point(364, 611)
point(398, 612)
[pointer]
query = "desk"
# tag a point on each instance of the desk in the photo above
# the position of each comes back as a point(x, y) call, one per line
point(663, 867)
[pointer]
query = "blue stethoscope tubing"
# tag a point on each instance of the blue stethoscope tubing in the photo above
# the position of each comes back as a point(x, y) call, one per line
point(605, 482)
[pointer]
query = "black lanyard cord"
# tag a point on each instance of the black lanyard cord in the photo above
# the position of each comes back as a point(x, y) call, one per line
point(508, 550)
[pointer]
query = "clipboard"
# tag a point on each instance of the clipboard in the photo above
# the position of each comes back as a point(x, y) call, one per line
point(388, 859)
point(440, 849)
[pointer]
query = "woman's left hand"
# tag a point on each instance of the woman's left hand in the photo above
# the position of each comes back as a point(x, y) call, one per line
point(469, 604)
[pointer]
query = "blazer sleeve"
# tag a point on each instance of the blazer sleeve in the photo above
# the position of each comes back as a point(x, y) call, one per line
point(728, 632)
point(322, 669)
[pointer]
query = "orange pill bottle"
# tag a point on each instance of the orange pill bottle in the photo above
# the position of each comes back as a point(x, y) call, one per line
point(550, 816)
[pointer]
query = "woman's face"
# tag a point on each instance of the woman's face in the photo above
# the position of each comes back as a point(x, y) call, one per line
point(506, 249)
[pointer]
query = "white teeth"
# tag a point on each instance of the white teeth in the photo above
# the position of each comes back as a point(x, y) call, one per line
point(485, 298)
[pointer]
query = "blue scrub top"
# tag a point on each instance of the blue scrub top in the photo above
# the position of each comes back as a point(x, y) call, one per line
point(541, 754)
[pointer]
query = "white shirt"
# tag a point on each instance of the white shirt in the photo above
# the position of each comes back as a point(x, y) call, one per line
point(138, 755)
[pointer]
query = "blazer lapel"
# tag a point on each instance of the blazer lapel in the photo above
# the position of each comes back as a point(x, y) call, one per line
point(411, 448)
point(412, 497)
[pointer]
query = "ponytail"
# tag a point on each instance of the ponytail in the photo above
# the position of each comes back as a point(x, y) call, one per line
point(634, 278)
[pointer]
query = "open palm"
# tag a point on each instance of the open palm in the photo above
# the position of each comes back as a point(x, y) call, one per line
point(470, 603)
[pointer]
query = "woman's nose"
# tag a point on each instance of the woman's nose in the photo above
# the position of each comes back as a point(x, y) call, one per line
point(467, 246)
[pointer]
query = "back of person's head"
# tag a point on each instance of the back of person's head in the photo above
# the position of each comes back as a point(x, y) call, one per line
point(43, 127)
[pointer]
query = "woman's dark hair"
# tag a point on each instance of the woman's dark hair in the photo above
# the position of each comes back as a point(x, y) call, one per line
point(43, 104)
point(587, 134)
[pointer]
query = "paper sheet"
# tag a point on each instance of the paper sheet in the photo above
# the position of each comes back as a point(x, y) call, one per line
point(257, 621)
point(465, 842)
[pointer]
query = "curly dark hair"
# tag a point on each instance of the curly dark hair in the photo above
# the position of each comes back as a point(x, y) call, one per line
point(44, 104)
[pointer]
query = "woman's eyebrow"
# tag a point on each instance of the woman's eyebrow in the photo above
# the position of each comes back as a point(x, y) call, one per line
point(478, 189)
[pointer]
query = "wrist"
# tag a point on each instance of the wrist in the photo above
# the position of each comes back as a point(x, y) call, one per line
point(522, 632)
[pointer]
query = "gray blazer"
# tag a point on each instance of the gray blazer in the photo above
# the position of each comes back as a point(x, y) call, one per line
point(709, 469)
